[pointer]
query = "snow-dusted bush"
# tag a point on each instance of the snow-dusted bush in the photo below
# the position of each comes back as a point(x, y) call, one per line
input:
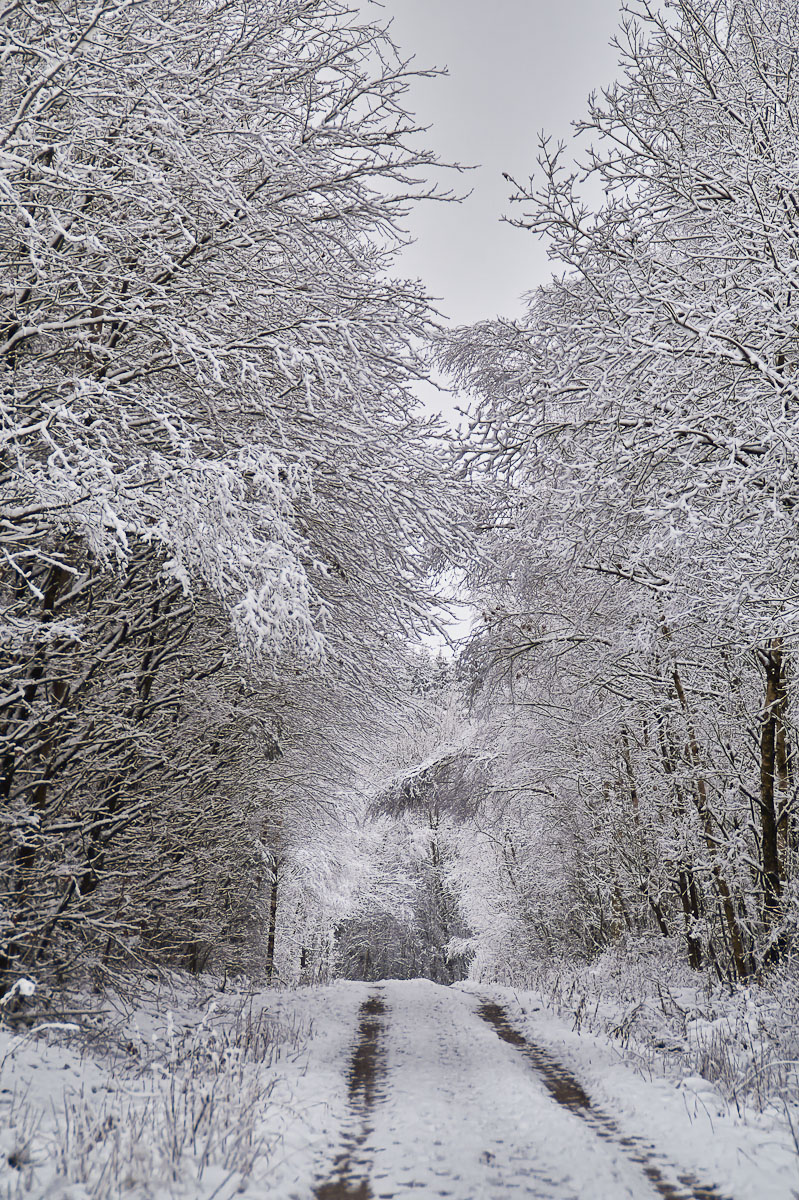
point(742, 1041)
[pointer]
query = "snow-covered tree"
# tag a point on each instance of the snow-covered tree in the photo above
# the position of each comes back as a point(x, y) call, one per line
point(641, 422)
point(206, 409)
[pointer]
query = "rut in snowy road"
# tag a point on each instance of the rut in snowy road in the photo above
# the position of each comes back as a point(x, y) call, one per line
point(443, 1103)
point(568, 1093)
point(350, 1176)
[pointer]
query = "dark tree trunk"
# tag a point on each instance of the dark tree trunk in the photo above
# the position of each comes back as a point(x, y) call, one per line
point(686, 884)
point(690, 906)
point(769, 823)
point(744, 967)
point(272, 927)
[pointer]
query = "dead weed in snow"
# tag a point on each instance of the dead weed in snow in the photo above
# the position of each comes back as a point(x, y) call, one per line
point(173, 1093)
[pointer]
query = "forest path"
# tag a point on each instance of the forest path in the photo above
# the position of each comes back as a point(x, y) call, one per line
point(447, 1099)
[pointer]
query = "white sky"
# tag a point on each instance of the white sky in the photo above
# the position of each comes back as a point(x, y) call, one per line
point(516, 67)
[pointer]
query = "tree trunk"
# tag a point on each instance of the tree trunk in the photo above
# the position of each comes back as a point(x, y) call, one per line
point(686, 889)
point(654, 904)
point(784, 773)
point(769, 825)
point(686, 884)
point(272, 928)
point(744, 968)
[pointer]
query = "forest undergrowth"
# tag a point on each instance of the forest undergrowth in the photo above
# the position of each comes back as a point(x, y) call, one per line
point(669, 1021)
point(171, 1088)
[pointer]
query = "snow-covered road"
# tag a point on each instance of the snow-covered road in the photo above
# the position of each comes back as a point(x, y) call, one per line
point(356, 1091)
point(447, 1099)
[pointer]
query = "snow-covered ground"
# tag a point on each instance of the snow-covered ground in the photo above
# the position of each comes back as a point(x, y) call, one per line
point(746, 1154)
point(180, 1092)
point(374, 1090)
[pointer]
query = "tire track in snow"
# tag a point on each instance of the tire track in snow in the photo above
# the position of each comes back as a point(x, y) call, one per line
point(351, 1168)
point(567, 1091)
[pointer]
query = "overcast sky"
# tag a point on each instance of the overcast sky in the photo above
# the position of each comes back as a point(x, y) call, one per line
point(515, 67)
